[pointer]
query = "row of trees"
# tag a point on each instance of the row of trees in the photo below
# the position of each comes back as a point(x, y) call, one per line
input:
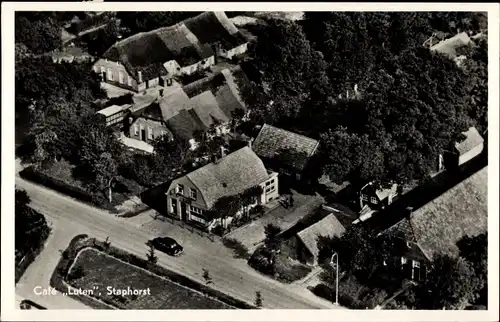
point(383, 106)
point(450, 282)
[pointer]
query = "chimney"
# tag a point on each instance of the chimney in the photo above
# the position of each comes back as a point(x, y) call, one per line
point(222, 152)
point(139, 77)
point(250, 143)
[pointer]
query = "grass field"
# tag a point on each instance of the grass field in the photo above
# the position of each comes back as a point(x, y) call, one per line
point(99, 271)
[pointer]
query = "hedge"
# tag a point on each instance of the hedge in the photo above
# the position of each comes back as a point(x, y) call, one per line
point(58, 185)
point(62, 268)
point(82, 241)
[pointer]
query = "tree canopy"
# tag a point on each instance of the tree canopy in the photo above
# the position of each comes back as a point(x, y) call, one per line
point(383, 105)
point(40, 32)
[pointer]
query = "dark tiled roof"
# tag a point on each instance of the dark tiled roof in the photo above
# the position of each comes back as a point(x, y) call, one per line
point(229, 176)
point(271, 141)
point(329, 226)
point(207, 109)
point(214, 27)
point(440, 224)
point(185, 124)
point(472, 140)
point(224, 86)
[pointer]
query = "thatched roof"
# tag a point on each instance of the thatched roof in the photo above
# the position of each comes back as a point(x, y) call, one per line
point(215, 28)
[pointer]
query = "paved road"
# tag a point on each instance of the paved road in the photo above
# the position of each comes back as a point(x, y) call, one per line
point(232, 276)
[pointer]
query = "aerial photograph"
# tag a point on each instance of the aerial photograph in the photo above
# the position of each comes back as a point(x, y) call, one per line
point(225, 160)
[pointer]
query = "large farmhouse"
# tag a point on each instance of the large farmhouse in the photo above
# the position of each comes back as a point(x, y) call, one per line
point(153, 58)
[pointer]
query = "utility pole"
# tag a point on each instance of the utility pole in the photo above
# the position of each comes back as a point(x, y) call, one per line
point(336, 256)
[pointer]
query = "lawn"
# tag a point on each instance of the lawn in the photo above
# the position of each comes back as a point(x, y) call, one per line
point(100, 271)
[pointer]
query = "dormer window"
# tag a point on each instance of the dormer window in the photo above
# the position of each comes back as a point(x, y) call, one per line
point(373, 200)
point(193, 193)
point(180, 189)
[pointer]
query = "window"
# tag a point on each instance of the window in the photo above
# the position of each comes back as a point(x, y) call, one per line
point(180, 189)
point(121, 77)
point(163, 133)
point(136, 130)
point(150, 133)
point(192, 193)
point(196, 210)
point(364, 197)
point(270, 189)
point(416, 264)
point(110, 74)
point(373, 200)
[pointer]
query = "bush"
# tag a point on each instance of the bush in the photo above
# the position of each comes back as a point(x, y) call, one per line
point(324, 291)
point(261, 261)
point(218, 230)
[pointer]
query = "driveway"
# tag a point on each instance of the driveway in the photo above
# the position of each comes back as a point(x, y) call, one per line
point(252, 235)
point(231, 276)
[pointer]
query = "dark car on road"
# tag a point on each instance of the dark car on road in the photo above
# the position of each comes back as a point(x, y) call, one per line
point(167, 245)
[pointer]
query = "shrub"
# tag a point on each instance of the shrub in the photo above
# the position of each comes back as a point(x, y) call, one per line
point(324, 291)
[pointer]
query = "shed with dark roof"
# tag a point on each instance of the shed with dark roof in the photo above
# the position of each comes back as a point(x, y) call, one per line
point(306, 242)
point(284, 149)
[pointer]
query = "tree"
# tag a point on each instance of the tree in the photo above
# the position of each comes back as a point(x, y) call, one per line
point(475, 251)
point(99, 42)
point(411, 111)
point(450, 284)
point(98, 163)
point(249, 197)
point(285, 58)
point(258, 299)
point(152, 258)
point(39, 32)
point(225, 207)
point(22, 198)
point(272, 240)
point(476, 68)
point(207, 277)
point(31, 228)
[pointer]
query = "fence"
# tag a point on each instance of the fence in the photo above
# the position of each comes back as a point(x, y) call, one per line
point(191, 227)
